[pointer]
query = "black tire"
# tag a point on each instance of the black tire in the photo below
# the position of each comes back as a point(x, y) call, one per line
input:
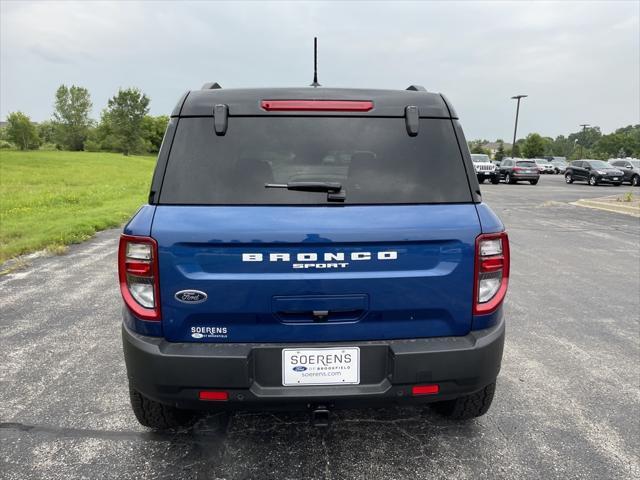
point(568, 178)
point(533, 182)
point(593, 181)
point(635, 181)
point(469, 406)
point(508, 179)
point(481, 180)
point(157, 415)
point(495, 180)
point(617, 184)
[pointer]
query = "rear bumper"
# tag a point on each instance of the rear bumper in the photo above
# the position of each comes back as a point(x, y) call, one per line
point(525, 176)
point(174, 373)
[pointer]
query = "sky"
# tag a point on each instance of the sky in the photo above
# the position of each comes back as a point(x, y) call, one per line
point(579, 62)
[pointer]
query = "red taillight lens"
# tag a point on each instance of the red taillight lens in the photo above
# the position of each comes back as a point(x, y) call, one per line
point(138, 273)
point(317, 105)
point(491, 272)
point(425, 389)
point(213, 396)
point(516, 169)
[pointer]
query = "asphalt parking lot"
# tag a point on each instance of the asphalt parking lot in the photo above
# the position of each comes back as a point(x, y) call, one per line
point(566, 406)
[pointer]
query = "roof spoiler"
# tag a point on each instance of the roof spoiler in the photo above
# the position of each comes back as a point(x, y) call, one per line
point(210, 86)
point(416, 88)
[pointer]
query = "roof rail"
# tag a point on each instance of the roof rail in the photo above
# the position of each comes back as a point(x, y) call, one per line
point(416, 88)
point(210, 86)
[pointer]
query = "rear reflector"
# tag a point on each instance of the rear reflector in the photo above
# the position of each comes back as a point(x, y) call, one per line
point(425, 389)
point(213, 396)
point(317, 105)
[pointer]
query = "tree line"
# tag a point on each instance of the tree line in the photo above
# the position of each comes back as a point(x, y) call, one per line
point(125, 125)
point(586, 143)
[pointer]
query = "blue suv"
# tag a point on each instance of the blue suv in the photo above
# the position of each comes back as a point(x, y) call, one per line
point(312, 249)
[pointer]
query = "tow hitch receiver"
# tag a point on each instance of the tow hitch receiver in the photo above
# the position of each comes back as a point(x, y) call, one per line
point(320, 417)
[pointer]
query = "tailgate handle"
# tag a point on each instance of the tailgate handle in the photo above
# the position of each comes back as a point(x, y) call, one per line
point(320, 315)
point(320, 308)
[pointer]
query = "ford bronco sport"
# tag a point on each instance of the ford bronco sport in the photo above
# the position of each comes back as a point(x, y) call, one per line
point(312, 248)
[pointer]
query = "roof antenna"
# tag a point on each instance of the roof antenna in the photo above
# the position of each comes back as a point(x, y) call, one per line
point(315, 63)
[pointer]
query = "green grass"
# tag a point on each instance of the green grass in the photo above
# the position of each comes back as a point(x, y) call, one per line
point(50, 199)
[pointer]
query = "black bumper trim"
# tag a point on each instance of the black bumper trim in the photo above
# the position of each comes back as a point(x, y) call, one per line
point(174, 373)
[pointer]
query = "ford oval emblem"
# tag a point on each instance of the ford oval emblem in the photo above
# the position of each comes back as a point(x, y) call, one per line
point(191, 296)
point(299, 368)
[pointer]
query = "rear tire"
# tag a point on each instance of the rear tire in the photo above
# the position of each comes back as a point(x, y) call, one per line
point(593, 181)
point(533, 182)
point(495, 180)
point(508, 179)
point(635, 181)
point(469, 406)
point(568, 178)
point(481, 180)
point(157, 415)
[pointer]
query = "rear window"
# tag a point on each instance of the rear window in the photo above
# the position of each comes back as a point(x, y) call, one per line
point(374, 159)
point(526, 164)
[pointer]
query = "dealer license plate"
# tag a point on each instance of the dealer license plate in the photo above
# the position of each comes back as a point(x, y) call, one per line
point(321, 366)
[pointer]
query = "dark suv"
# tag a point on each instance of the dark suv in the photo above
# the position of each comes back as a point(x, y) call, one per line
point(312, 249)
point(514, 170)
point(630, 168)
point(594, 172)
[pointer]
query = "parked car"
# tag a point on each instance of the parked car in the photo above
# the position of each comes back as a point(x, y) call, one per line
point(485, 170)
point(543, 165)
point(514, 170)
point(630, 168)
point(559, 164)
point(240, 292)
point(594, 172)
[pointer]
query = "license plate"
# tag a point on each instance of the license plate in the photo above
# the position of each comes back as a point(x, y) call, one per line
point(487, 173)
point(321, 366)
point(615, 178)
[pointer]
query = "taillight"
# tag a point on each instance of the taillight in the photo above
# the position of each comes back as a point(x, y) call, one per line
point(138, 272)
point(517, 169)
point(491, 272)
point(317, 105)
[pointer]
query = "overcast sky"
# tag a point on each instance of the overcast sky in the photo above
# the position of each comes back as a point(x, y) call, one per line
point(579, 62)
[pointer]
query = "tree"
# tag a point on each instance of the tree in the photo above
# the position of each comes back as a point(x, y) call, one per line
point(47, 131)
point(562, 147)
point(71, 116)
point(153, 129)
point(124, 116)
point(500, 154)
point(22, 131)
point(533, 146)
point(476, 146)
point(624, 141)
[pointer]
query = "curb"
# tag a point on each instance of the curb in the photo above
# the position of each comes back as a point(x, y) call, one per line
point(609, 207)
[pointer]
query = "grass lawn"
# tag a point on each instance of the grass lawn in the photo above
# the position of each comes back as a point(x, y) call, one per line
point(49, 199)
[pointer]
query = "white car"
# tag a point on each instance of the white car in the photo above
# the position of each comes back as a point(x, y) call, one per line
point(544, 166)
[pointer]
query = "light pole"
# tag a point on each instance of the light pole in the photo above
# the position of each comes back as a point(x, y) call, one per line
point(584, 129)
point(515, 129)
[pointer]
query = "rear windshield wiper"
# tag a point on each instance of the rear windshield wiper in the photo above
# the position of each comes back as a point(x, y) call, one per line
point(333, 189)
